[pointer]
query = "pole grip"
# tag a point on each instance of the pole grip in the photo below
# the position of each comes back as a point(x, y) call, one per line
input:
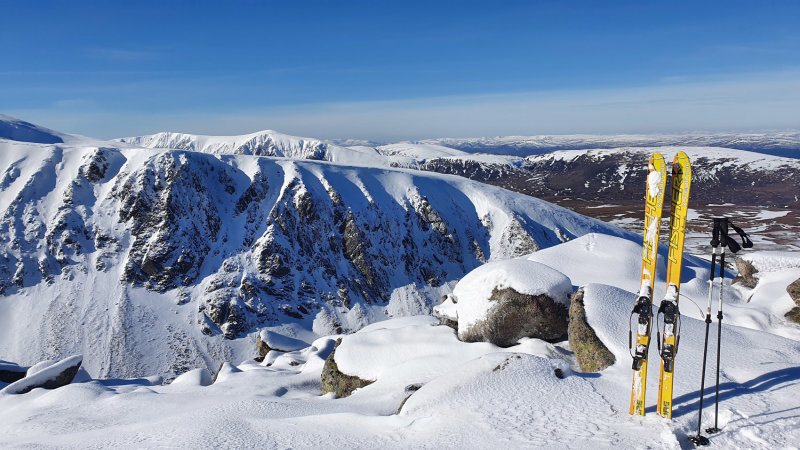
point(721, 276)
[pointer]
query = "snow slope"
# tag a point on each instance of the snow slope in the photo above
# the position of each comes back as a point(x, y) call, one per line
point(433, 391)
point(19, 130)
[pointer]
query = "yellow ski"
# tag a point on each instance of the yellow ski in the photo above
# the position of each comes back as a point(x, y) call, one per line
point(668, 318)
point(643, 308)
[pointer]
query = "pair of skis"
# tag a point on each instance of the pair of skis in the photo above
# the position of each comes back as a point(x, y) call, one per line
point(668, 315)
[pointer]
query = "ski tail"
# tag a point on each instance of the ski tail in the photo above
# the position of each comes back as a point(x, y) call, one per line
point(643, 308)
point(668, 318)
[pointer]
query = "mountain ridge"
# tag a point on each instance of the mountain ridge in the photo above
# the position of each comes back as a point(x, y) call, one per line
point(162, 260)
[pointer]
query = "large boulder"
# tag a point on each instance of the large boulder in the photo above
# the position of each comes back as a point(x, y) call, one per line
point(48, 376)
point(269, 340)
point(794, 291)
point(337, 382)
point(10, 372)
point(504, 301)
point(746, 271)
point(591, 353)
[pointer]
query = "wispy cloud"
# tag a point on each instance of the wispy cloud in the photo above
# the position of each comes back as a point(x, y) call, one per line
point(729, 103)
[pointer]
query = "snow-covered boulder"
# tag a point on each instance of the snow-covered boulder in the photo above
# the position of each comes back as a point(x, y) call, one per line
point(504, 301)
point(48, 376)
point(333, 380)
point(225, 371)
point(591, 353)
point(269, 340)
point(193, 378)
point(10, 372)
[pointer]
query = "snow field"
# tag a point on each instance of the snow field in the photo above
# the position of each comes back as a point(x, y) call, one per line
point(474, 395)
point(467, 395)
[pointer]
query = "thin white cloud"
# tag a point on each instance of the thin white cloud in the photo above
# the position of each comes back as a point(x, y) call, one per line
point(754, 102)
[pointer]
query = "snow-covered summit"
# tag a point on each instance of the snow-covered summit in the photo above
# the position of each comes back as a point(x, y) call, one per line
point(18, 130)
point(261, 143)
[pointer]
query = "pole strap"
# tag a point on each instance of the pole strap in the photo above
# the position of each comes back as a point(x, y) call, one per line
point(719, 235)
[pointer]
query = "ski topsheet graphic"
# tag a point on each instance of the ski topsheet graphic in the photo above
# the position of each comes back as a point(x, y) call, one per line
point(668, 319)
point(643, 309)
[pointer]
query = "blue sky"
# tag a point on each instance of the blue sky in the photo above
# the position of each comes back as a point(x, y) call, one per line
point(401, 70)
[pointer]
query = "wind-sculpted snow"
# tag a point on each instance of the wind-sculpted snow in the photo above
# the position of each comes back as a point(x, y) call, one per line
point(145, 260)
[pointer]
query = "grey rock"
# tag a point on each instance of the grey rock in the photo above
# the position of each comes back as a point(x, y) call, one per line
point(333, 380)
point(10, 372)
point(518, 316)
point(591, 353)
point(52, 376)
point(794, 314)
point(746, 273)
point(794, 291)
point(268, 340)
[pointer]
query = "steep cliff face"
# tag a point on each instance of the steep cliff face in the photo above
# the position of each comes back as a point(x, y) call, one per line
point(173, 253)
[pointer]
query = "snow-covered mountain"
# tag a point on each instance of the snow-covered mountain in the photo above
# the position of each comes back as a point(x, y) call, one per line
point(786, 144)
point(152, 261)
point(145, 259)
point(215, 241)
point(719, 175)
point(742, 169)
point(262, 143)
point(19, 130)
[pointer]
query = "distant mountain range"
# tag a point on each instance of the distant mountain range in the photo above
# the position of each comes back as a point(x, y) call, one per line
point(743, 169)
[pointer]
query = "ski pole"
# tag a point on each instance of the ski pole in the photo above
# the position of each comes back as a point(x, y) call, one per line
point(723, 239)
point(734, 247)
point(699, 439)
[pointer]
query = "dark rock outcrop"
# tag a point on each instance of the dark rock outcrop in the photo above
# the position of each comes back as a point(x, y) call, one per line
point(746, 273)
point(444, 319)
point(10, 372)
point(341, 384)
point(269, 340)
point(517, 316)
point(52, 376)
point(794, 291)
point(794, 314)
point(591, 353)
